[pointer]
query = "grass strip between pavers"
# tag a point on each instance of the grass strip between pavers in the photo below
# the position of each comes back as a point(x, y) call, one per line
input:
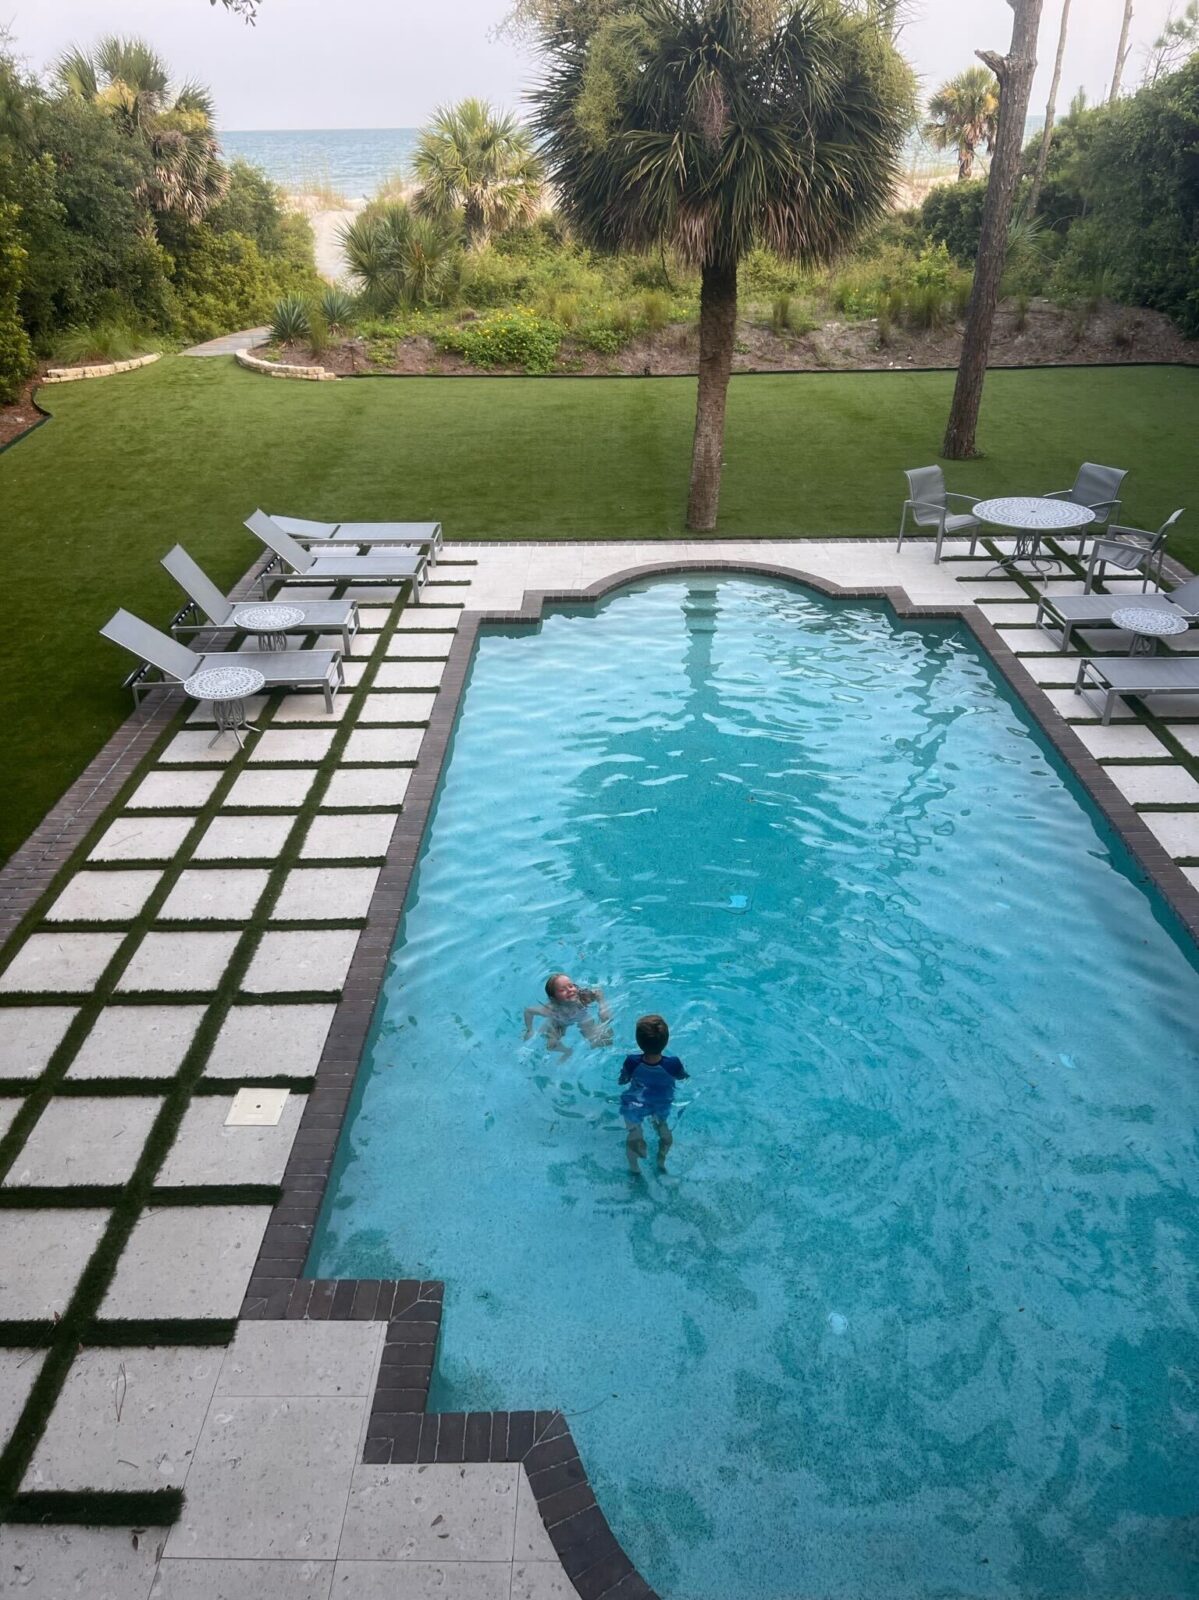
point(80, 1322)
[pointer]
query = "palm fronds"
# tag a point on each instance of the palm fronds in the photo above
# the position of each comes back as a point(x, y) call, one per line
point(473, 160)
point(398, 258)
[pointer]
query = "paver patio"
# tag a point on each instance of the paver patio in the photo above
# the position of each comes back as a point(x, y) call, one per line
point(204, 952)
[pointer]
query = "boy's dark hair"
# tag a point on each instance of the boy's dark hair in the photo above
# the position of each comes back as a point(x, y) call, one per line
point(551, 981)
point(652, 1034)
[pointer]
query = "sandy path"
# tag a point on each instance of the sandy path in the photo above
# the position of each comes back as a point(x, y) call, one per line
point(330, 262)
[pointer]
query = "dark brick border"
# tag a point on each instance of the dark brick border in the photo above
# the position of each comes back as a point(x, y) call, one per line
point(399, 1428)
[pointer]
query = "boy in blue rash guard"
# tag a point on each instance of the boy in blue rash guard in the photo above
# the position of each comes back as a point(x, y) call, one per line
point(651, 1077)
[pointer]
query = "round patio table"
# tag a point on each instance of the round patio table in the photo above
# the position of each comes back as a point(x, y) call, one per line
point(227, 688)
point(1030, 517)
point(269, 622)
point(1147, 625)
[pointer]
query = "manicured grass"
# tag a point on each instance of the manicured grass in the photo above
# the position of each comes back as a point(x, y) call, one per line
point(185, 449)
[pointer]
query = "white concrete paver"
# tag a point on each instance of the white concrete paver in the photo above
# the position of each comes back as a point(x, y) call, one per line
point(1113, 742)
point(178, 961)
point(215, 894)
point(243, 1580)
point(30, 1036)
point(1177, 830)
point(174, 791)
point(70, 963)
point(409, 674)
point(210, 1249)
point(265, 1479)
point(42, 1254)
point(310, 745)
point(436, 1513)
point(307, 959)
point(137, 1042)
point(244, 838)
point(310, 708)
point(69, 1563)
point(270, 1041)
point(18, 1369)
point(104, 896)
point(139, 838)
point(348, 838)
point(367, 786)
point(205, 1151)
point(85, 1140)
point(127, 1418)
point(423, 1580)
point(396, 706)
point(325, 894)
point(278, 1359)
point(285, 788)
point(196, 746)
point(384, 745)
point(1165, 784)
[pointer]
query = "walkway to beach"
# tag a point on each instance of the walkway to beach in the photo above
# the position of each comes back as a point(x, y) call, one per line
point(229, 343)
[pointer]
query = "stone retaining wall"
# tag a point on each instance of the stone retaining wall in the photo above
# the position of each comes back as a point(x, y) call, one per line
point(101, 370)
point(275, 369)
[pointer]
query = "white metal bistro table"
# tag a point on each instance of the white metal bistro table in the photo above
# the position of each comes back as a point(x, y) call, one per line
point(1030, 518)
point(1148, 624)
point(228, 689)
point(269, 622)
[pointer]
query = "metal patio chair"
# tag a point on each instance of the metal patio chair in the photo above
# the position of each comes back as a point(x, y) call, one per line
point(928, 505)
point(1112, 676)
point(367, 533)
point(1131, 550)
point(1097, 488)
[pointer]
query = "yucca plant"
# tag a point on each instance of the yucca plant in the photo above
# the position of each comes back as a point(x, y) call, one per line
point(338, 309)
point(290, 320)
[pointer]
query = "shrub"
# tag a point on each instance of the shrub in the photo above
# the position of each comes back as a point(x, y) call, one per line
point(1020, 310)
point(290, 320)
point(780, 313)
point(604, 341)
point(318, 332)
point(518, 338)
point(16, 353)
point(952, 215)
point(103, 341)
point(655, 310)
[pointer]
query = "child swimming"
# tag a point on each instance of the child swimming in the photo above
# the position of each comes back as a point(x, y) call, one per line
point(567, 1007)
point(651, 1077)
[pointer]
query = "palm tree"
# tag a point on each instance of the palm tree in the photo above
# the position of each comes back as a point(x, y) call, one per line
point(964, 114)
point(713, 126)
point(399, 259)
point(132, 82)
point(472, 160)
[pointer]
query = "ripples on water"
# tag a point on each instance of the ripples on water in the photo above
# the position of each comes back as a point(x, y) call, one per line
point(914, 1311)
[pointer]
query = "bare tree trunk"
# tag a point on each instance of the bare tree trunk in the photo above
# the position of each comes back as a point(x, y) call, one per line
point(965, 162)
point(717, 328)
point(1121, 55)
point(1050, 114)
point(1015, 74)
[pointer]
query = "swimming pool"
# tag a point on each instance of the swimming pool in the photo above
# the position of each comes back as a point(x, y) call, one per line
point(914, 1311)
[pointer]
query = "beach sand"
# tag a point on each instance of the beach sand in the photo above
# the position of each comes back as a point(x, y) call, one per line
point(326, 224)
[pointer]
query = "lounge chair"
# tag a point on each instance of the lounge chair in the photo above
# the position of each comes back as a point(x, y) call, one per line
point(319, 616)
point(928, 503)
point(1098, 489)
point(394, 566)
point(1067, 612)
point(1132, 550)
point(282, 669)
point(1111, 676)
point(368, 533)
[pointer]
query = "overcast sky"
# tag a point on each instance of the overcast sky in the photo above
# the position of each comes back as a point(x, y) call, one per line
point(389, 63)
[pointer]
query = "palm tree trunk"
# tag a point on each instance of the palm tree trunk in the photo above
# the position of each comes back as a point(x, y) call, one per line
point(965, 162)
point(1015, 74)
point(717, 329)
point(1121, 55)
point(1050, 114)
point(474, 224)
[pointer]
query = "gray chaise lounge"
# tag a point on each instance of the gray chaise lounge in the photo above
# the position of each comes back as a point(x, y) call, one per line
point(307, 532)
point(1067, 612)
point(282, 669)
point(320, 616)
point(1111, 676)
point(407, 562)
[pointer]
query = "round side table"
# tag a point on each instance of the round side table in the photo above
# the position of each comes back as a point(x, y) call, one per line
point(1148, 624)
point(228, 689)
point(269, 622)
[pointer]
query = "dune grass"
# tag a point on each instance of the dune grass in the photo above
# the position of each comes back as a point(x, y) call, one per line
point(183, 450)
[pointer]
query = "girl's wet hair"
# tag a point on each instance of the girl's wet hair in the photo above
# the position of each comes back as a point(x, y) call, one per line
point(652, 1033)
point(551, 981)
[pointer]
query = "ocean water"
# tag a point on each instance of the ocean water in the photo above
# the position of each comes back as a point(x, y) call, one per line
point(354, 161)
point(912, 1311)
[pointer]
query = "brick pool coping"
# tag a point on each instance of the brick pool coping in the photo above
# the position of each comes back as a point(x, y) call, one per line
point(400, 1429)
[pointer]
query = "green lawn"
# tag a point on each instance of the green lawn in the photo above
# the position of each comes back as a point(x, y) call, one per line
point(185, 449)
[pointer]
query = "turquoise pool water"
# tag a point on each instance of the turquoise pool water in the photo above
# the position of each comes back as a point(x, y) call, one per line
point(914, 1311)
